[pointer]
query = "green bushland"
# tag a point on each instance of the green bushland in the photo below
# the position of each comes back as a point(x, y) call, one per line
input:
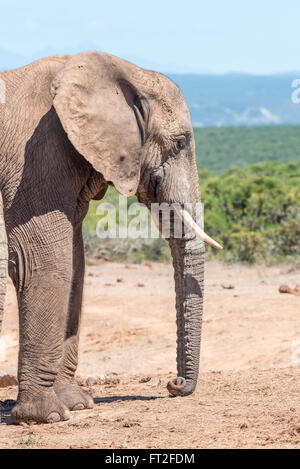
point(253, 211)
point(222, 148)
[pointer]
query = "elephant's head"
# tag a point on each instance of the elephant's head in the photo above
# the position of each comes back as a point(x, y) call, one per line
point(134, 127)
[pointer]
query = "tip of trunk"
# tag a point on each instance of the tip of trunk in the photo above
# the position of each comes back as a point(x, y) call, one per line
point(180, 387)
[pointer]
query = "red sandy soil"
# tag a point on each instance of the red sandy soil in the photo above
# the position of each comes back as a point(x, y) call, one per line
point(248, 395)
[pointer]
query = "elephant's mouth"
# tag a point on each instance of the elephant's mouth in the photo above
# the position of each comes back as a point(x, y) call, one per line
point(189, 225)
point(195, 228)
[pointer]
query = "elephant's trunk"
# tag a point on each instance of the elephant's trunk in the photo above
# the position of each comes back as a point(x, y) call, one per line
point(188, 261)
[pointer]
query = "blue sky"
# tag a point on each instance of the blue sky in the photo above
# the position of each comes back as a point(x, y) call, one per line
point(255, 36)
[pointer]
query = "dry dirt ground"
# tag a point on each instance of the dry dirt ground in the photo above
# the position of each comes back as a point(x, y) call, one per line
point(248, 393)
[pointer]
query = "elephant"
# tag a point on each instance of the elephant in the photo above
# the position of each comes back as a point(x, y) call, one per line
point(70, 127)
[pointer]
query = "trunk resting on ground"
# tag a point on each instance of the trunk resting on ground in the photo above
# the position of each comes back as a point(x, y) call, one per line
point(188, 262)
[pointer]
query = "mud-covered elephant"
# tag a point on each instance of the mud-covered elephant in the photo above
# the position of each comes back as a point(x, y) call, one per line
point(69, 128)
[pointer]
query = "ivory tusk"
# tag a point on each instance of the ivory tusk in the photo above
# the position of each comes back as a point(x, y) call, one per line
point(192, 225)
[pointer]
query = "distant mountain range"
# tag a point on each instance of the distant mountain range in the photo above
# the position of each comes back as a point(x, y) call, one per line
point(240, 99)
point(235, 99)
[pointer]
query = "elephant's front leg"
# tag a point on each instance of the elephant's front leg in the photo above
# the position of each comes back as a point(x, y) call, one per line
point(65, 386)
point(41, 268)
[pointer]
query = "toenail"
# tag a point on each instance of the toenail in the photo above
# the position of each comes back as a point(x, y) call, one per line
point(53, 417)
point(66, 415)
point(78, 406)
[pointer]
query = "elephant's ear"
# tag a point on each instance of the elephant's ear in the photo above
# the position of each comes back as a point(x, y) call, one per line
point(103, 115)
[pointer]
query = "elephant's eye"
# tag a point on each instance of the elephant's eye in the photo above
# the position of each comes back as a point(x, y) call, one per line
point(181, 143)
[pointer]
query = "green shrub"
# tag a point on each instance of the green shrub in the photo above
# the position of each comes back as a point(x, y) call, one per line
point(254, 212)
point(246, 246)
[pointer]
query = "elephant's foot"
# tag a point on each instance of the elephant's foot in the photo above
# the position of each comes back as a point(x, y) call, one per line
point(45, 408)
point(74, 397)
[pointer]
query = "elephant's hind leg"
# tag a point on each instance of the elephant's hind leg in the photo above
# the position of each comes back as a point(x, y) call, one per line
point(65, 386)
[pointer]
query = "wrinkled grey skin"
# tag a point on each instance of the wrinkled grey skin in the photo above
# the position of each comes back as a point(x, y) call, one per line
point(3, 263)
point(70, 127)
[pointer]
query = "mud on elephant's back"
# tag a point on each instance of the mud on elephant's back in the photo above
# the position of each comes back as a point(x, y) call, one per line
point(3, 263)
